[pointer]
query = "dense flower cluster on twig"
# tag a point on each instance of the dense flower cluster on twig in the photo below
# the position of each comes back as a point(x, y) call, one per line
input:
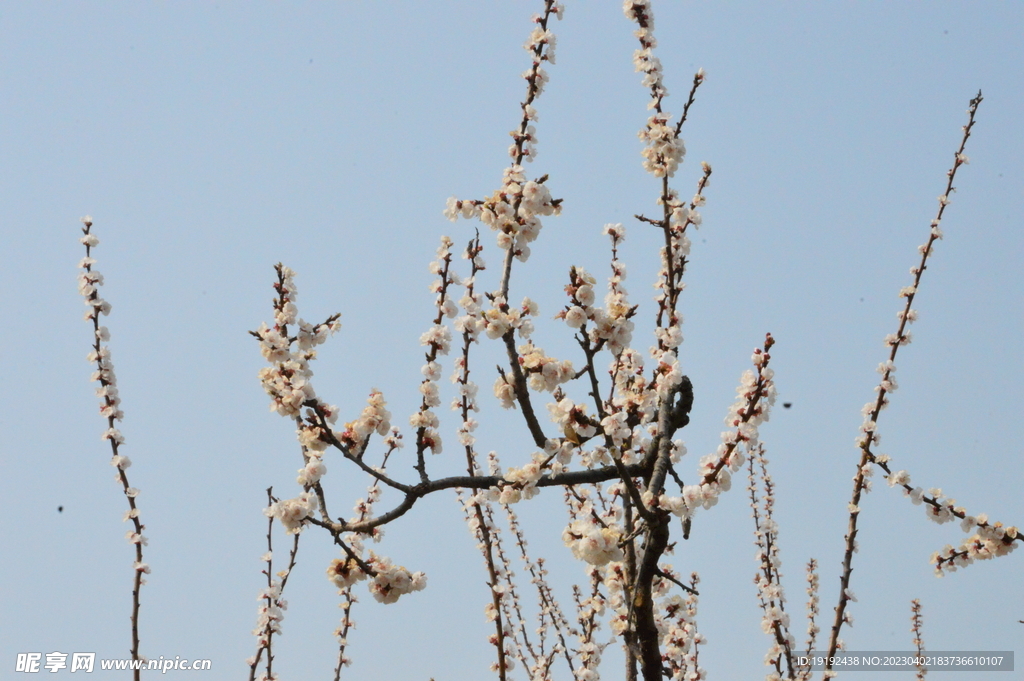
point(89, 281)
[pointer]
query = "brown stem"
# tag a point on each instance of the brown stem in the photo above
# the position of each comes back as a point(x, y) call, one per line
point(867, 456)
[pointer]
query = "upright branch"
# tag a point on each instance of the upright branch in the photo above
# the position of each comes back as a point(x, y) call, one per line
point(477, 509)
point(869, 428)
point(550, 614)
point(663, 153)
point(918, 640)
point(272, 603)
point(768, 578)
point(514, 212)
point(438, 340)
point(804, 671)
point(89, 281)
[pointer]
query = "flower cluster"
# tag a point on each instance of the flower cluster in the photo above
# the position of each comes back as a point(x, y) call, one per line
point(543, 372)
point(541, 38)
point(272, 604)
point(678, 216)
point(592, 542)
point(668, 375)
point(676, 619)
point(469, 325)
point(632, 393)
point(616, 581)
point(473, 322)
point(521, 483)
point(643, 59)
point(292, 513)
point(581, 295)
point(505, 391)
point(89, 281)
point(287, 380)
point(813, 584)
point(768, 578)
point(614, 326)
point(345, 572)
point(438, 338)
point(756, 394)
point(270, 614)
point(514, 211)
point(390, 582)
point(375, 417)
point(541, 46)
point(501, 318)
point(663, 152)
point(573, 420)
point(426, 422)
point(610, 326)
point(663, 149)
point(990, 541)
point(438, 341)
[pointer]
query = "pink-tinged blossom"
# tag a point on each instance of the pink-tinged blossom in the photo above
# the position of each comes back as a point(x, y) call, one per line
point(136, 538)
point(432, 440)
point(431, 371)
point(575, 317)
point(429, 391)
point(424, 419)
point(615, 427)
point(439, 337)
point(311, 473)
point(505, 392)
point(344, 572)
point(899, 478)
point(114, 435)
point(585, 295)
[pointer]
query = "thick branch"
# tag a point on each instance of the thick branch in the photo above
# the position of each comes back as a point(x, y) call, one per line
point(485, 482)
point(523, 391)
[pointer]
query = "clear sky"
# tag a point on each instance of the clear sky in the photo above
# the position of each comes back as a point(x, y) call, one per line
point(212, 140)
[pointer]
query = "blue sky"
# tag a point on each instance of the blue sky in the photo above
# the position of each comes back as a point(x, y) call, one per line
point(209, 141)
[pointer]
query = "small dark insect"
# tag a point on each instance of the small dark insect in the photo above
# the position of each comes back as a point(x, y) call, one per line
point(60, 509)
point(787, 405)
